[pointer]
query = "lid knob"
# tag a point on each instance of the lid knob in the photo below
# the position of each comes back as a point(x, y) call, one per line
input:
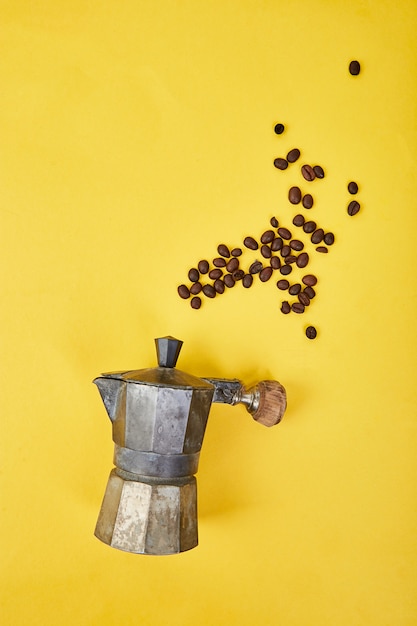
point(168, 349)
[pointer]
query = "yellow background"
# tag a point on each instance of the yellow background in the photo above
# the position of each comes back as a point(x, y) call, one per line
point(134, 138)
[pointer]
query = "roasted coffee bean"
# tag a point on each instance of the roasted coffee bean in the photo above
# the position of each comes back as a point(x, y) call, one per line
point(219, 285)
point(291, 258)
point(294, 195)
point(353, 187)
point(285, 269)
point(265, 274)
point(293, 155)
point(195, 302)
point(317, 236)
point(215, 274)
point(238, 274)
point(284, 233)
point(285, 250)
point(247, 281)
point(219, 262)
point(297, 307)
point(183, 292)
point(275, 262)
point(322, 249)
point(196, 288)
point(281, 164)
point(283, 284)
point(274, 222)
point(285, 307)
point(307, 201)
point(251, 243)
point(232, 265)
point(308, 172)
point(309, 227)
point(255, 267)
point(266, 251)
point(309, 280)
point(203, 266)
point(311, 332)
point(295, 289)
point(276, 244)
point(354, 67)
point(236, 252)
point(209, 291)
point(329, 239)
point(228, 280)
point(298, 220)
point(310, 292)
point(279, 129)
point(193, 275)
point(267, 236)
point(223, 250)
point(353, 207)
point(319, 171)
point(303, 259)
point(303, 298)
point(297, 245)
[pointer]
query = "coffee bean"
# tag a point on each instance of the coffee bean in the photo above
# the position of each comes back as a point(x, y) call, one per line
point(353, 207)
point(232, 265)
point(281, 164)
point(255, 267)
point(290, 258)
point(310, 292)
point(183, 292)
point(285, 269)
point(296, 244)
point(307, 201)
point(311, 332)
point(329, 239)
point(322, 249)
point(303, 259)
point(223, 250)
point(303, 298)
point(214, 274)
point(309, 227)
point(317, 236)
point(276, 244)
point(219, 262)
point(236, 252)
point(203, 266)
point(219, 286)
point(293, 155)
point(285, 250)
point(354, 67)
point(283, 284)
point(275, 262)
point(294, 195)
point(308, 172)
point(353, 187)
point(309, 280)
point(196, 288)
point(228, 280)
point(298, 220)
point(193, 275)
point(209, 291)
point(295, 289)
point(279, 128)
point(297, 307)
point(247, 281)
point(267, 236)
point(319, 171)
point(266, 251)
point(195, 302)
point(284, 233)
point(238, 274)
point(265, 274)
point(274, 222)
point(285, 307)
point(251, 243)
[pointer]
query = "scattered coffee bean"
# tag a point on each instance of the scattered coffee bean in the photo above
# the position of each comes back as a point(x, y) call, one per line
point(307, 201)
point(285, 269)
point(281, 164)
point(283, 284)
point(293, 155)
point(255, 267)
point(209, 291)
point(279, 129)
point(353, 187)
point(251, 243)
point(275, 262)
point(322, 249)
point(247, 281)
point(309, 227)
point(274, 222)
point(310, 292)
point(303, 298)
point(298, 220)
point(232, 265)
point(267, 236)
point(183, 292)
point(311, 332)
point(295, 289)
point(223, 250)
point(219, 262)
point(284, 233)
point(215, 274)
point(285, 250)
point(317, 236)
point(203, 266)
point(329, 239)
point(353, 207)
point(309, 279)
point(290, 258)
point(238, 274)
point(319, 171)
point(195, 302)
point(297, 245)
point(285, 307)
point(228, 280)
point(265, 274)
point(308, 172)
point(297, 307)
point(276, 244)
point(354, 67)
point(196, 288)
point(193, 275)
point(236, 252)
point(303, 259)
point(266, 251)
point(219, 286)
point(294, 195)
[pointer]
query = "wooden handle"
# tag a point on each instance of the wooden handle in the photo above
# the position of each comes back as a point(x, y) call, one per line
point(271, 404)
